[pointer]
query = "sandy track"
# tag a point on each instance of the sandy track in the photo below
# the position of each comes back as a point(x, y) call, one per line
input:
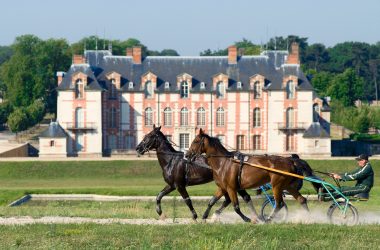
point(24, 220)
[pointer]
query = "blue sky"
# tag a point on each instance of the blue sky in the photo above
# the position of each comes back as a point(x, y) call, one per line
point(192, 26)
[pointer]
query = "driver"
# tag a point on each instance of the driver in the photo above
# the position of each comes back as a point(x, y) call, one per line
point(363, 175)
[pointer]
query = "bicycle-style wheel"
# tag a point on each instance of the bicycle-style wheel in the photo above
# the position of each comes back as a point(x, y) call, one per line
point(339, 217)
point(267, 209)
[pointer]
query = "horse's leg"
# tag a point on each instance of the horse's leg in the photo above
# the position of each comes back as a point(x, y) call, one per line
point(247, 198)
point(225, 203)
point(164, 192)
point(233, 195)
point(296, 194)
point(182, 190)
point(219, 193)
point(277, 194)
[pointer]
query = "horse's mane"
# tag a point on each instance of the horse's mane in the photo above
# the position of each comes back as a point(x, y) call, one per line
point(215, 142)
point(165, 140)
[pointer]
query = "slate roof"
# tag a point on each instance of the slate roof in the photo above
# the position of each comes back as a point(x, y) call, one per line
point(316, 131)
point(54, 131)
point(202, 68)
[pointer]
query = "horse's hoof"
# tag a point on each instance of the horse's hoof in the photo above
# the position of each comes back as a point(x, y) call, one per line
point(255, 220)
point(162, 217)
point(215, 218)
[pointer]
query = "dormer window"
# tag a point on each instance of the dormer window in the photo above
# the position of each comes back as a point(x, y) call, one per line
point(130, 85)
point(148, 90)
point(184, 89)
point(167, 85)
point(257, 90)
point(79, 89)
point(290, 90)
point(202, 85)
point(239, 85)
point(220, 90)
point(113, 89)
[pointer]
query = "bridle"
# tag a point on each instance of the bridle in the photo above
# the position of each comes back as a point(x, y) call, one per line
point(153, 143)
point(146, 146)
point(198, 151)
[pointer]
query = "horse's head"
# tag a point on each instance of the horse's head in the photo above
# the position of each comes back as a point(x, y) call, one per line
point(150, 141)
point(198, 146)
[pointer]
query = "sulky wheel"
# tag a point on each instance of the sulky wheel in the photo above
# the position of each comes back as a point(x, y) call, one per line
point(267, 209)
point(337, 216)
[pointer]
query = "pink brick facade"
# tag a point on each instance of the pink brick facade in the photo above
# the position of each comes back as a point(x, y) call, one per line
point(247, 102)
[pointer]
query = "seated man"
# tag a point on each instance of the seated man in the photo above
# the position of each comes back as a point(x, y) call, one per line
point(363, 175)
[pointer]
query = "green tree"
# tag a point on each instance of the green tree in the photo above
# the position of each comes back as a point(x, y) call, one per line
point(5, 53)
point(36, 112)
point(316, 55)
point(346, 87)
point(320, 81)
point(30, 73)
point(168, 52)
point(18, 120)
point(5, 110)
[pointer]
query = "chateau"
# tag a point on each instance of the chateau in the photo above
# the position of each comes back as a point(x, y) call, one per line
point(256, 104)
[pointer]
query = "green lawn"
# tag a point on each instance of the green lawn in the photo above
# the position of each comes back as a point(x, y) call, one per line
point(119, 178)
point(144, 178)
point(194, 236)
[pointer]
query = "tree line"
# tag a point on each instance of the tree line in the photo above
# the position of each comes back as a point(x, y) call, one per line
point(346, 72)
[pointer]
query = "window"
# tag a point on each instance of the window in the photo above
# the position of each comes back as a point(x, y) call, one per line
point(221, 138)
point(79, 141)
point(167, 85)
point(220, 90)
point(52, 144)
point(290, 118)
point(79, 88)
point(202, 85)
point(148, 90)
point(239, 85)
point(112, 118)
point(183, 141)
point(184, 119)
point(112, 142)
point(130, 142)
point(316, 143)
point(201, 117)
point(112, 94)
point(167, 117)
point(256, 118)
point(184, 90)
point(148, 117)
point(290, 142)
point(240, 142)
point(130, 85)
point(290, 90)
point(316, 113)
point(79, 118)
point(256, 142)
point(220, 117)
point(257, 90)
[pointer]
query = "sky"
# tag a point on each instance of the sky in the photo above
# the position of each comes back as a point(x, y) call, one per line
point(191, 27)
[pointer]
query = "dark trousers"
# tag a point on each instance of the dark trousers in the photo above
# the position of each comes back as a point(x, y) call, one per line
point(350, 191)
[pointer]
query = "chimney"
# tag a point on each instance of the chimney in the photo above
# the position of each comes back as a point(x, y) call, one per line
point(136, 55)
point(60, 75)
point(294, 57)
point(232, 55)
point(79, 59)
point(129, 52)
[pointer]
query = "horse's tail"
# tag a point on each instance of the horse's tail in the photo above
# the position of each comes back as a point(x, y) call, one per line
point(302, 165)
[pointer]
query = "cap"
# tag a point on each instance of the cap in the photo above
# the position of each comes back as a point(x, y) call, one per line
point(362, 157)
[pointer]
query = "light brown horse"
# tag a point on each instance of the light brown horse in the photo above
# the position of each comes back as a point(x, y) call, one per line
point(231, 176)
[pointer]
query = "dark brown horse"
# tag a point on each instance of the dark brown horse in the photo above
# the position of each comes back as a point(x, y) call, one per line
point(179, 173)
point(230, 175)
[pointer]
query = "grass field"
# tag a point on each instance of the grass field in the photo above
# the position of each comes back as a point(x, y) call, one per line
point(144, 178)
